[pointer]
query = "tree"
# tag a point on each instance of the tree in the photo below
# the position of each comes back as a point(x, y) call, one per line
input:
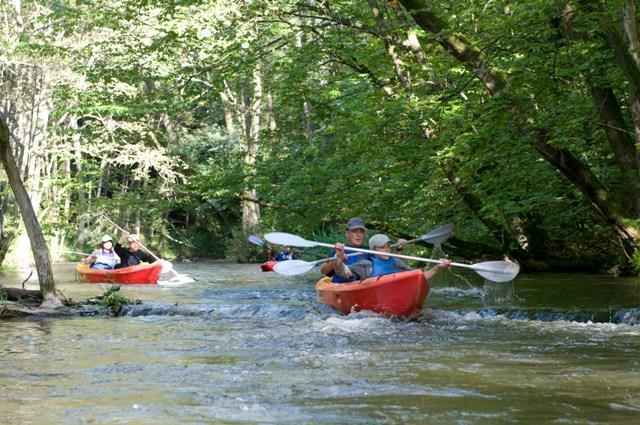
point(606, 202)
point(38, 244)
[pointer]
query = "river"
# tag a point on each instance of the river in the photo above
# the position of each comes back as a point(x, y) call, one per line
point(240, 346)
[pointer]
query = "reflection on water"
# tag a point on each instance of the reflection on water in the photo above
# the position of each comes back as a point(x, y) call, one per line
point(242, 346)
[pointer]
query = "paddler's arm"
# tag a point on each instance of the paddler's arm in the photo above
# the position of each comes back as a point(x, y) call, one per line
point(339, 267)
point(327, 268)
point(123, 238)
point(91, 258)
point(444, 264)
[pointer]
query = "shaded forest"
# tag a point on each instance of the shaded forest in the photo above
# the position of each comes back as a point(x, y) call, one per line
point(199, 122)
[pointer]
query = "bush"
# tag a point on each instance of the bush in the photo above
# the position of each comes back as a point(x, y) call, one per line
point(196, 242)
point(114, 300)
point(239, 249)
point(636, 261)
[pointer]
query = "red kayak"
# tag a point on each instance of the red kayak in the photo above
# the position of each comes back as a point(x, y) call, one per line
point(397, 294)
point(139, 274)
point(268, 266)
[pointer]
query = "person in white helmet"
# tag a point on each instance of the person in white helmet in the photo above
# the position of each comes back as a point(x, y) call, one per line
point(104, 257)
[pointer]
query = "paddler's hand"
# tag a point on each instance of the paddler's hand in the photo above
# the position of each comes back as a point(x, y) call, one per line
point(445, 263)
point(339, 248)
point(123, 238)
point(401, 244)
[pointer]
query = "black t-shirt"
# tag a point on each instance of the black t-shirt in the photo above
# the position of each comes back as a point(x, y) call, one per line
point(129, 258)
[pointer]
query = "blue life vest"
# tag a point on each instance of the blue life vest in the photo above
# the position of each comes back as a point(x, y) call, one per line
point(101, 266)
point(282, 256)
point(381, 266)
point(348, 261)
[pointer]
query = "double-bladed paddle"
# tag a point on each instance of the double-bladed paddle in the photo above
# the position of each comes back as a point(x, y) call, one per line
point(496, 271)
point(289, 268)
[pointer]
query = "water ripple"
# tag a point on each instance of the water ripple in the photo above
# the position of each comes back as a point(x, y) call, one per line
point(232, 311)
point(624, 317)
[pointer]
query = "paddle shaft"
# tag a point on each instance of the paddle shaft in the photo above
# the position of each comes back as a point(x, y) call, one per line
point(395, 245)
point(403, 257)
point(139, 243)
point(324, 260)
point(75, 252)
point(434, 237)
point(410, 241)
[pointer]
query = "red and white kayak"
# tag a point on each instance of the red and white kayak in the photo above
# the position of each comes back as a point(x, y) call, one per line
point(140, 274)
point(268, 266)
point(397, 294)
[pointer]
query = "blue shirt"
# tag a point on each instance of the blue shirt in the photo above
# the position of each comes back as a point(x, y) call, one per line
point(348, 261)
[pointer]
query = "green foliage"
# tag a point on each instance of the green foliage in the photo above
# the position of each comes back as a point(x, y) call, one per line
point(198, 243)
point(114, 300)
point(349, 139)
point(636, 261)
point(239, 249)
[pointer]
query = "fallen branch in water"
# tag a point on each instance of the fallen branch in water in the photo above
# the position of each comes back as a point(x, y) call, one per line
point(24, 296)
point(21, 303)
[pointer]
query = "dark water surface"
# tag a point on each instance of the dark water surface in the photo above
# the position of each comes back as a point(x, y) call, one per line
point(242, 346)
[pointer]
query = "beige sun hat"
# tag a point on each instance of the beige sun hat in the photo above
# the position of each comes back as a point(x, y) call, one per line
point(378, 240)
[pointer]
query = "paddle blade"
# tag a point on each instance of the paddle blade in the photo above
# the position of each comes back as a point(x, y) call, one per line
point(166, 266)
point(256, 240)
point(497, 271)
point(292, 267)
point(181, 278)
point(287, 239)
point(439, 235)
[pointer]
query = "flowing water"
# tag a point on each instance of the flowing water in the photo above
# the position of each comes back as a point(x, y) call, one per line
point(243, 346)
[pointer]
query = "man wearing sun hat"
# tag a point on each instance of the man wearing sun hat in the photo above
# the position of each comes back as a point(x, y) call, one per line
point(354, 232)
point(133, 255)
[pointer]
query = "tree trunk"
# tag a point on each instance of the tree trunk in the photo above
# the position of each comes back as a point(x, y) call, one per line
point(251, 209)
point(77, 155)
point(6, 237)
point(272, 118)
point(306, 106)
point(26, 106)
point(38, 244)
point(630, 32)
point(621, 142)
point(507, 238)
point(229, 107)
point(582, 177)
point(389, 43)
point(456, 44)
